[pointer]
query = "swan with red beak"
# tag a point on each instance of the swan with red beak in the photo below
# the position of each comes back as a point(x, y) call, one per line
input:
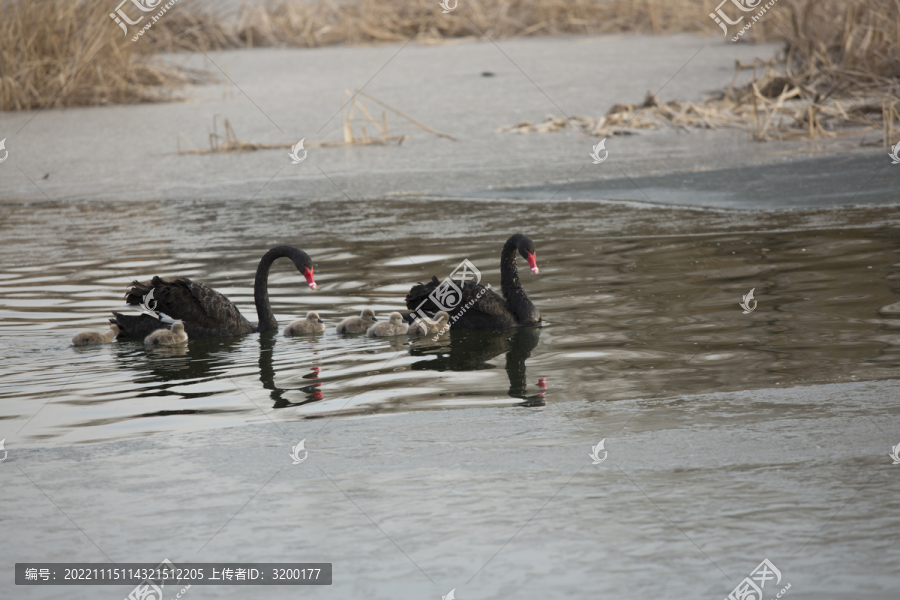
point(479, 307)
point(204, 311)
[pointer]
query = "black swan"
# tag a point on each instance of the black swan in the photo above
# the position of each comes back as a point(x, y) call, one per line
point(480, 307)
point(311, 324)
point(85, 338)
point(204, 311)
point(394, 326)
point(165, 337)
point(358, 324)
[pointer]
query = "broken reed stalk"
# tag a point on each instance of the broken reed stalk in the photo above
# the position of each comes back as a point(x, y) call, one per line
point(229, 142)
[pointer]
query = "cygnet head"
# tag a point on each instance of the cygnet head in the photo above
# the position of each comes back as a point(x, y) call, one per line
point(314, 317)
point(115, 329)
point(441, 316)
point(396, 318)
point(368, 314)
point(178, 327)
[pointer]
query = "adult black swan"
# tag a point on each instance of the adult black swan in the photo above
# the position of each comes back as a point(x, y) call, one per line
point(480, 307)
point(204, 311)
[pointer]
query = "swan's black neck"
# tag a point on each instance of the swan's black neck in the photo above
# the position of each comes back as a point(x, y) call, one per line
point(510, 285)
point(267, 320)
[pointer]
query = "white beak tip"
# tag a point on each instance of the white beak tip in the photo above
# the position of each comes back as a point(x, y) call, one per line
point(313, 286)
point(535, 270)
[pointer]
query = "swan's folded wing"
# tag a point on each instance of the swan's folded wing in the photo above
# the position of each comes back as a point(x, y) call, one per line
point(202, 309)
point(215, 304)
point(479, 308)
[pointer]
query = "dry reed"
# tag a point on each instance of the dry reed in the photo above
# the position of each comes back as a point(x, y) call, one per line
point(365, 130)
point(301, 23)
point(839, 75)
point(56, 53)
point(840, 67)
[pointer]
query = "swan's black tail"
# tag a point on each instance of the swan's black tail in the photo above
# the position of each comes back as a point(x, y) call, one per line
point(135, 295)
point(136, 327)
point(417, 294)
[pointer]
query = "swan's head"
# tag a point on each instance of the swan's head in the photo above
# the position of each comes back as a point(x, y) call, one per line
point(528, 252)
point(304, 264)
point(314, 317)
point(441, 316)
point(396, 318)
point(368, 314)
point(178, 327)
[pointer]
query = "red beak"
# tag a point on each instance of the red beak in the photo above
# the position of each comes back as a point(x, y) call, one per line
point(532, 262)
point(308, 273)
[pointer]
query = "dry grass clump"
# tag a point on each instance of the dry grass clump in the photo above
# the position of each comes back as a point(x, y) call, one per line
point(301, 23)
point(58, 53)
point(307, 24)
point(839, 74)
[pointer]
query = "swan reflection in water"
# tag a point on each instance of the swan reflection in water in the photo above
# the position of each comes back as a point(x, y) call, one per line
point(313, 391)
point(470, 351)
point(458, 351)
point(198, 361)
point(211, 359)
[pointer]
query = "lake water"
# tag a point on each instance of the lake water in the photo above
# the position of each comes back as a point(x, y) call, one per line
point(630, 308)
point(643, 343)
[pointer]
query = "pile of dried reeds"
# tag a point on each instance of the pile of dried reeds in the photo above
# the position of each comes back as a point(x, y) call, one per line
point(57, 53)
point(839, 75)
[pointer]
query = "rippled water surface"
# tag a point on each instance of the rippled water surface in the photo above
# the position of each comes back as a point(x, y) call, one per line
point(638, 301)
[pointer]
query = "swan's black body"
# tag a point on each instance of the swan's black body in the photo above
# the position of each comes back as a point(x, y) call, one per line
point(482, 308)
point(204, 311)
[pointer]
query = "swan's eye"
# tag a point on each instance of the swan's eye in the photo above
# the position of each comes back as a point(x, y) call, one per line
point(308, 273)
point(532, 261)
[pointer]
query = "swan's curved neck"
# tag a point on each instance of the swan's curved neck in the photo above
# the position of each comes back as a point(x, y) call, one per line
point(510, 285)
point(267, 320)
point(509, 273)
